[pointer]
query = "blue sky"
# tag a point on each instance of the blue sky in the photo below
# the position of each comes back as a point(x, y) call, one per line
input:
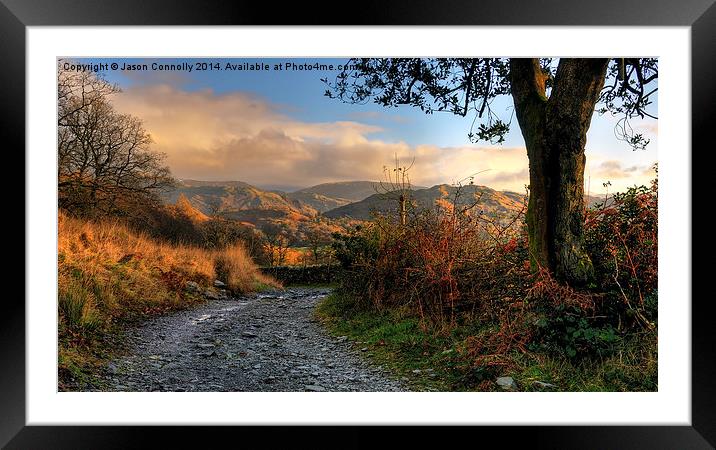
point(293, 113)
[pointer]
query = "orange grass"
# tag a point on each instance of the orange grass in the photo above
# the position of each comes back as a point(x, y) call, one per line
point(107, 271)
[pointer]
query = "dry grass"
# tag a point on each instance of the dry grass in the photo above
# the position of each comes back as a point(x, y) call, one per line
point(107, 273)
point(108, 269)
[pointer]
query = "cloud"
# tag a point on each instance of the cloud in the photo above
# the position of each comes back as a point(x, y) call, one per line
point(614, 169)
point(239, 136)
point(620, 175)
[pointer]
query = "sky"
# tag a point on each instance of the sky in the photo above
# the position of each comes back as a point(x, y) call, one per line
point(275, 129)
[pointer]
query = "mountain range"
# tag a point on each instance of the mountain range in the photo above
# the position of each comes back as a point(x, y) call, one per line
point(486, 200)
point(234, 197)
point(296, 212)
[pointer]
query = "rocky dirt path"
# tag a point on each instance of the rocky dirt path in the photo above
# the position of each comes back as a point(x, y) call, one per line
point(264, 342)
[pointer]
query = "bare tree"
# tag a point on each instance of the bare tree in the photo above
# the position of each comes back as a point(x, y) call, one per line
point(396, 185)
point(317, 238)
point(276, 243)
point(105, 163)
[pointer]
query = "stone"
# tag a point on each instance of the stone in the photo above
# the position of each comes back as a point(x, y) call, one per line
point(219, 284)
point(543, 385)
point(192, 286)
point(216, 346)
point(506, 383)
point(315, 388)
point(211, 295)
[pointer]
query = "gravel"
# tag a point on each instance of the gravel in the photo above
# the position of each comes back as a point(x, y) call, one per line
point(262, 342)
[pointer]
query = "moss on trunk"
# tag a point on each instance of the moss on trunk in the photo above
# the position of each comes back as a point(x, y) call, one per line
point(555, 133)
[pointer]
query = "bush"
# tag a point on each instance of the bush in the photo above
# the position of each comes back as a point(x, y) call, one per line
point(621, 237)
point(443, 261)
point(451, 266)
point(571, 332)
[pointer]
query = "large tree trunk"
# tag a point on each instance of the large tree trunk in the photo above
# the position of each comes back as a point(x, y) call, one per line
point(555, 133)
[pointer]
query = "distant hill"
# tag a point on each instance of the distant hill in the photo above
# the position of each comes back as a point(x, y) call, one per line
point(237, 198)
point(594, 200)
point(322, 206)
point(198, 183)
point(234, 198)
point(320, 203)
point(295, 215)
point(490, 201)
point(352, 191)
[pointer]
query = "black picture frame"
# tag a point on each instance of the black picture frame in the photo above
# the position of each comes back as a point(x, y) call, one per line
point(699, 15)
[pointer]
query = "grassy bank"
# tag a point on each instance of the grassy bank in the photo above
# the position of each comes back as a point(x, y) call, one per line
point(109, 276)
point(432, 357)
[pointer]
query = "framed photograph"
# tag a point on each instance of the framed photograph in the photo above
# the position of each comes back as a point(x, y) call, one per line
point(412, 214)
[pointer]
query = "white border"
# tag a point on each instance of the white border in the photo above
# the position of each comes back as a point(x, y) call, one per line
point(671, 405)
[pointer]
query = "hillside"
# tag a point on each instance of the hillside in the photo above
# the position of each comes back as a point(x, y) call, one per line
point(231, 197)
point(294, 215)
point(491, 201)
point(349, 191)
point(184, 207)
point(239, 199)
point(110, 274)
point(242, 200)
point(318, 202)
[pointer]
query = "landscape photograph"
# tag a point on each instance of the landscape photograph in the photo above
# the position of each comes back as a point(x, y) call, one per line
point(357, 224)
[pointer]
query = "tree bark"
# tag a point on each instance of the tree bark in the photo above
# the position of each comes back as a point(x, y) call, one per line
point(555, 133)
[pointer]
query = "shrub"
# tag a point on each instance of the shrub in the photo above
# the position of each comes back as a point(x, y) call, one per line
point(571, 332)
point(448, 263)
point(621, 237)
point(440, 262)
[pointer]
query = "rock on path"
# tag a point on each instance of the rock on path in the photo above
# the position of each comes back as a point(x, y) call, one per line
point(263, 342)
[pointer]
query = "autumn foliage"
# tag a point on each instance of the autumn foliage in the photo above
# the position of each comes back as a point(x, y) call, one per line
point(451, 265)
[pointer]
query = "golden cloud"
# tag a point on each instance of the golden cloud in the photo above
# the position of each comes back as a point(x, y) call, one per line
point(239, 136)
